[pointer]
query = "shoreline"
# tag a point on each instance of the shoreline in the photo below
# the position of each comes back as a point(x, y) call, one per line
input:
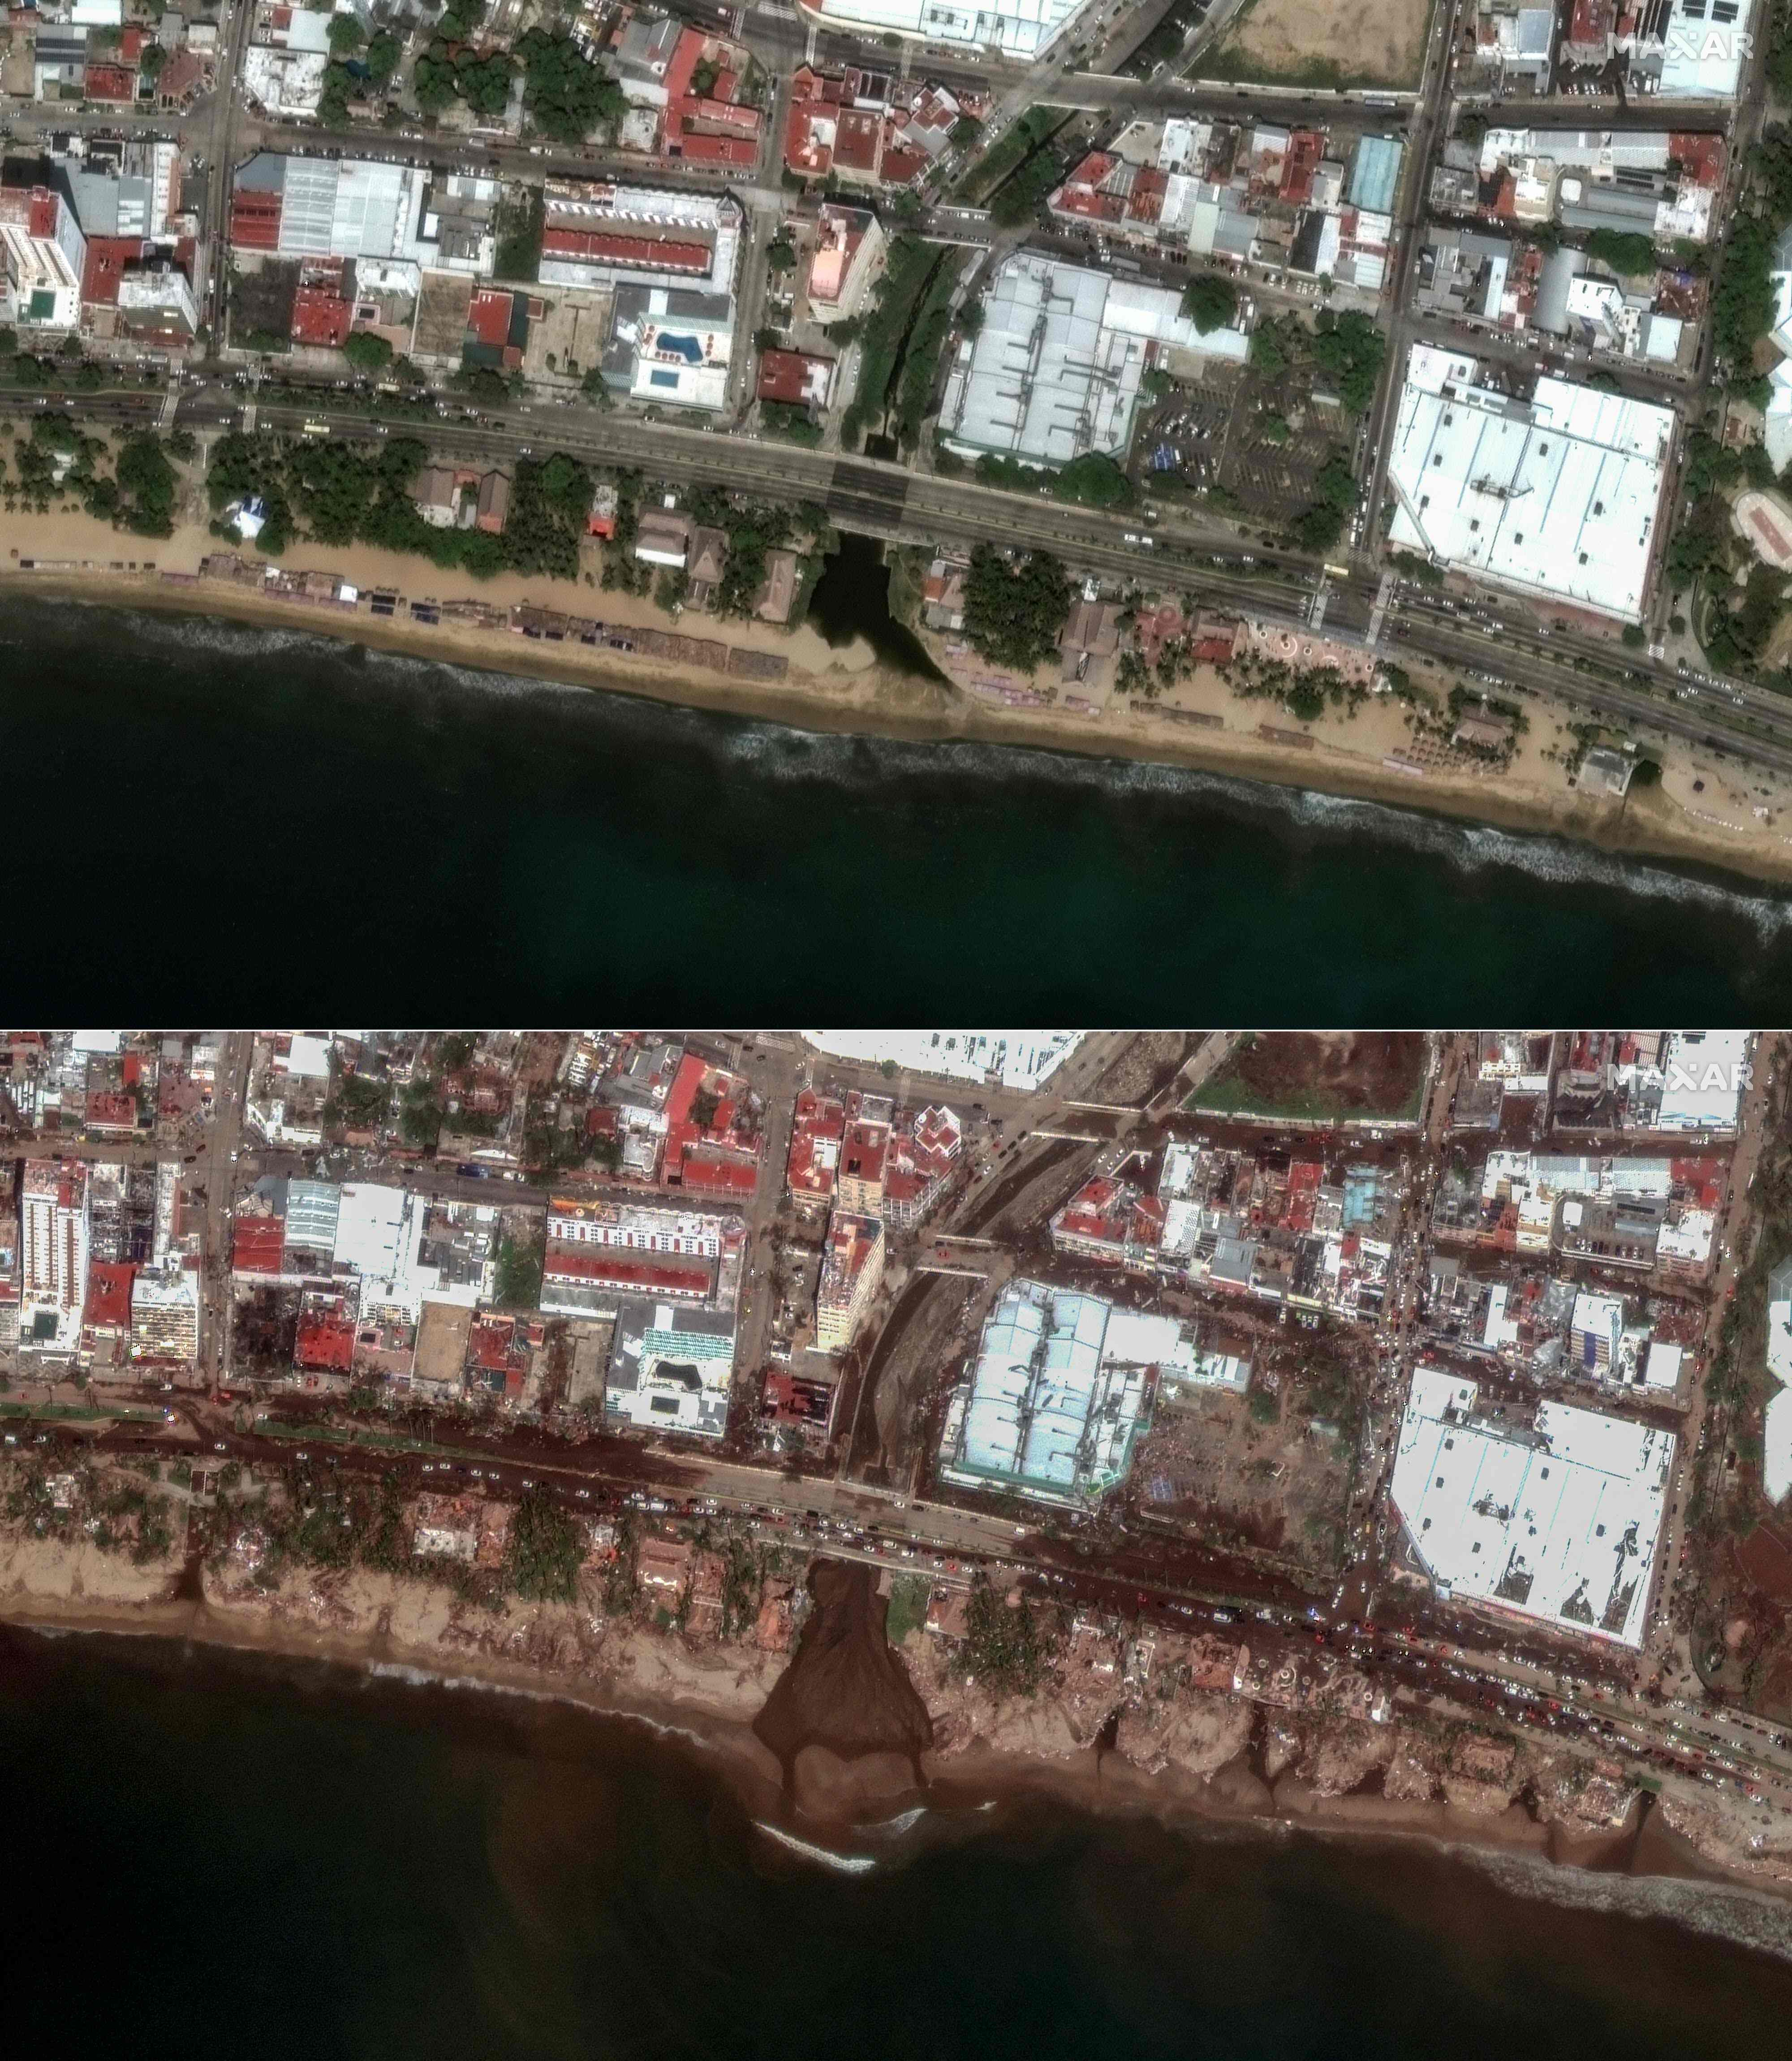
point(853, 697)
point(1097, 1782)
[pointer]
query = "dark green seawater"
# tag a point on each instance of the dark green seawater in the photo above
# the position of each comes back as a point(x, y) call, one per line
point(216, 1854)
point(257, 825)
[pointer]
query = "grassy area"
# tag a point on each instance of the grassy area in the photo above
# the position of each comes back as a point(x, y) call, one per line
point(1239, 1089)
point(932, 321)
point(907, 1608)
point(1033, 129)
point(908, 270)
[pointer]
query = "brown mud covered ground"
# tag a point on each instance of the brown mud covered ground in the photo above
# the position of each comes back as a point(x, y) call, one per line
point(844, 1718)
point(1347, 1074)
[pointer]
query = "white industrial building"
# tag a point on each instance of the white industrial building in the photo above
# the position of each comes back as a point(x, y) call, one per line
point(1557, 496)
point(1558, 1523)
point(1704, 48)
point(365, 207)
point(1021, 28)
point(1023, 1060)
point(1058, 1395)
point(1696, 1083)
point(1056, 370)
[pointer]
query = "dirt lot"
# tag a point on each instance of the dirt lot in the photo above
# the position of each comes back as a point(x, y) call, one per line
point(571, 334)
point(1328, 42)
point(1223, 1469)
point(1145, 1067)
point(1319, 1076)
point(441, 315)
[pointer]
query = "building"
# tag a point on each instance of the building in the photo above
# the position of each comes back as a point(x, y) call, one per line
point(1693, 1082)
point(662, 538)
point(669, 345)
point(360, 208)
point(1057, 367)
point(1662, 184)
point(1019, 1060)
point(601, 1254)
point(670, 1367)
point(1058, 1395)
point(850, 246)
point(1558, 497)
point(55, 1235)
point(1110, 1223)
point(165, 1314)
point(1557, 1523)
point(917, 1165)
point(43, 258)
point(1020, 29)
point(863, 1149)
point(817, 1135)
point(597, 233)
point(794, 378)
point(852, 1273)
point(1698, 51)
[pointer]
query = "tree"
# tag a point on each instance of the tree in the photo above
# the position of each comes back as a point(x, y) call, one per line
point(1210, 302)
point(346, 35)
point(366, 352)
point(1014, 614)
point(150, 63)
point(1267, 355)
point(566, 95)
point(384, 50)
point(1625, 254)
point(332, 102)
point(781, 254)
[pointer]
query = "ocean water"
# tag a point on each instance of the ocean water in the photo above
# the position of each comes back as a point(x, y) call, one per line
point(219, 1854)
point(261, 824)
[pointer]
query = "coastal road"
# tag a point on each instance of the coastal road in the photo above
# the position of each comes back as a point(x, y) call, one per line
point(1272, 584)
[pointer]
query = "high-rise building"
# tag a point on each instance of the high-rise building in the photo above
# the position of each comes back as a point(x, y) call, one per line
point(55, 1237)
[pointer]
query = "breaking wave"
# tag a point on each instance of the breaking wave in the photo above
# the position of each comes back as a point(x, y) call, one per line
point(822, 1856)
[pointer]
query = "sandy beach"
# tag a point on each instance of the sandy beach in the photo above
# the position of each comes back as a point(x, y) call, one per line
point(1700, 813)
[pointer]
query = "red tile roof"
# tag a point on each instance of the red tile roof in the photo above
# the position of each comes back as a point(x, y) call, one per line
point(623, 1270)
point(857, 137)
point(258, 1245)
point(109, 1110)
point(109, 1294)
point(694, 148)
point(488, 316)
point(711, 1172)
point(648, 253)
point(325, 1344)
point(804, 152)
point(321, 317)
point(114, 83)
point(783, 375)
point(255, 220)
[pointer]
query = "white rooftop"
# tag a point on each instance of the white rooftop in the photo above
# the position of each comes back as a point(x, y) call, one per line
point(1023, 1060)
point(1017, 28)
point(1558, 496)
point(1056, 370)
point(1561, 1525)
point(1707, 46)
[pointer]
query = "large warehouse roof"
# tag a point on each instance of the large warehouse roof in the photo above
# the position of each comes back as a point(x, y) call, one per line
point(1558, 496)
point(1559, 1524)
point(1017, 28)
point(1056, 370)
point(1055, 1401)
